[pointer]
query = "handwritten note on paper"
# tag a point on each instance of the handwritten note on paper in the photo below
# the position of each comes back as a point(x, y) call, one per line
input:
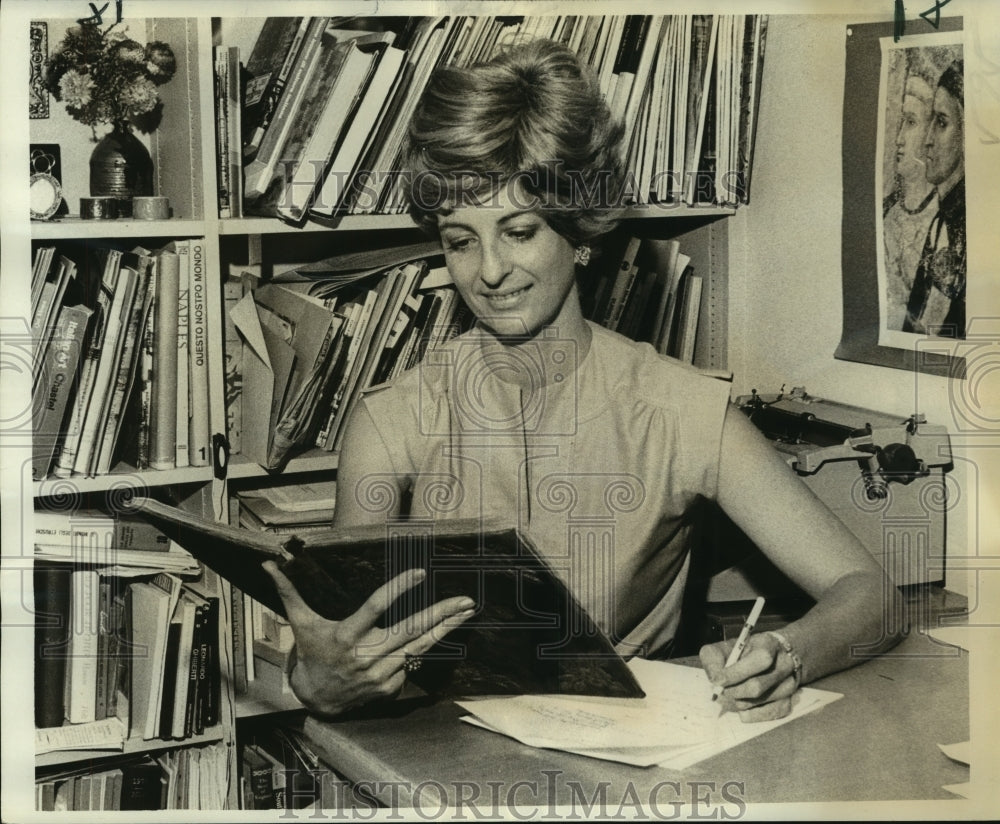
point(675, 725)
point(108, 734)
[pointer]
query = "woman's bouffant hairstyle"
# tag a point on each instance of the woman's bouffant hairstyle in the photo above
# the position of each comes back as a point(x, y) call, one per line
point(533, 119)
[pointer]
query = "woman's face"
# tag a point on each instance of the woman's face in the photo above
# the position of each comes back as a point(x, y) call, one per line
point(512, 269)
point(944, 144)
point(912, 129)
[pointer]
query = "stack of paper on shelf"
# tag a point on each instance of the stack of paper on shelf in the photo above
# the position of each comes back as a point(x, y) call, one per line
point(290, 508)
point(675, 725)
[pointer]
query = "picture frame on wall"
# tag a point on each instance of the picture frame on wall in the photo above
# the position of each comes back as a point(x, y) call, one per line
point(904, 214)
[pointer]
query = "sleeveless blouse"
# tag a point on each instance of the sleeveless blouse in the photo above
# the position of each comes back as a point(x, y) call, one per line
point(599, 466)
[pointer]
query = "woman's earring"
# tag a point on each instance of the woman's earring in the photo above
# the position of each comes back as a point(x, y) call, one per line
point(582, 255)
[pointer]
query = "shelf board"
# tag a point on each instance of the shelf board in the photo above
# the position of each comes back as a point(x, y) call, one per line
point(123, 476)
point(355, 223)
point(348, 223)
point(651, 211)
point(315, 460)
point(133, 745)
point(73, 227)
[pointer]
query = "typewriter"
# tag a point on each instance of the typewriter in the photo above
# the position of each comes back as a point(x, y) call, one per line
point(882, 475)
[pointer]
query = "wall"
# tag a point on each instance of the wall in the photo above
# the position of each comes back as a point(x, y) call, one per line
point(785, 247)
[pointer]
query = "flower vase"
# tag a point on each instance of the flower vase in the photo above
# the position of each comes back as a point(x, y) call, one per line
point(120, 166)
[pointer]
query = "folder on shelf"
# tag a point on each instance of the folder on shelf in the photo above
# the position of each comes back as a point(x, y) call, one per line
point(529, 634)
point(267, 369)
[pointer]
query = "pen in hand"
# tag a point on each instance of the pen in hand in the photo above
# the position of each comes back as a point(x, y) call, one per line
point(741, 642)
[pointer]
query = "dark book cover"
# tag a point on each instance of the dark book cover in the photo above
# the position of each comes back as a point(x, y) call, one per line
point(210, 673)
point(529, 634)
point(141, 785)
point(168, 693)
point(193, 703)
point(52, 628)
point(257, 775)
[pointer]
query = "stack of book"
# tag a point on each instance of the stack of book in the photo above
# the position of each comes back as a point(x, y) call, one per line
point(312, 340)
point(263, 639)
point(191, 778)
point(648, 291)
point(88, 639)
point(121, 359)
point(280, 770)
point(327, 101)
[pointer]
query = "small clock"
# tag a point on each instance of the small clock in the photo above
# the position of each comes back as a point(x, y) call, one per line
point(44, 191)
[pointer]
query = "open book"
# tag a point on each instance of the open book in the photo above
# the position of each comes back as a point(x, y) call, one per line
point(529, 635)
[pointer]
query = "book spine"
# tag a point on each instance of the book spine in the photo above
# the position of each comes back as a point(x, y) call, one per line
point(103, 639)
point(117, 646)
point(690, 309)
point(168, 688)
point(52, 636)
point(182, 414)
point(211, 669)
point(199, 448)
point(39, 272)
point(147, 360)
point(623, 280)
point(59, 371)
point(232, 293)
point(240, 685)
point(81, 706)
point(194, 719)
point(257, 772)
point(222, 113)
point(163, 423)
point(234, 131)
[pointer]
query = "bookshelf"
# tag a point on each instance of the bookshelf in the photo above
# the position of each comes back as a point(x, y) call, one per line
point(191, 171)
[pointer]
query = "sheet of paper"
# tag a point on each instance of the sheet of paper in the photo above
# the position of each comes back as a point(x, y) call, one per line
point(108, 734)
point(963, 790)
point(675, 725)
point(960, 752)
point(956, 636)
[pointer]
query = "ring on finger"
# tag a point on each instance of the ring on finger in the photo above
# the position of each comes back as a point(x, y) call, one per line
point(411, 663)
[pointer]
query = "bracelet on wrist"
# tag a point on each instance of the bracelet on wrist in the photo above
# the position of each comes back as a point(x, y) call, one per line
point(790, 650)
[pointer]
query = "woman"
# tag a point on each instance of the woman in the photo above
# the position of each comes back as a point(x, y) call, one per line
point(550, 421)
point(937, 301)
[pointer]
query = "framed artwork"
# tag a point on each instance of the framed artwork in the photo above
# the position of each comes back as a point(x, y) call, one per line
point(904, 236)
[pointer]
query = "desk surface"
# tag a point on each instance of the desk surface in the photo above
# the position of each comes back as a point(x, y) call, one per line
point(877, 743)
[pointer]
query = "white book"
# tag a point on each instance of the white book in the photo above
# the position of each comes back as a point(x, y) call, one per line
point(81, 673)
point(199, 448)
point(183, 249)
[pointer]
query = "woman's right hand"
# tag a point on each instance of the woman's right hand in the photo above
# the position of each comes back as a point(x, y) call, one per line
point(348, 663)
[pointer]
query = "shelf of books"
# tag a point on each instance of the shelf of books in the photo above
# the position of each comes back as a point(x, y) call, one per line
point(214, 356)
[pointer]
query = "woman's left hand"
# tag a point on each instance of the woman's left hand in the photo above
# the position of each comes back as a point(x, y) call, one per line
point(760, 685)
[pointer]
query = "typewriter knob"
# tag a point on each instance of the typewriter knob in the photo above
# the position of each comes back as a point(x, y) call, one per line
point(899, 462)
